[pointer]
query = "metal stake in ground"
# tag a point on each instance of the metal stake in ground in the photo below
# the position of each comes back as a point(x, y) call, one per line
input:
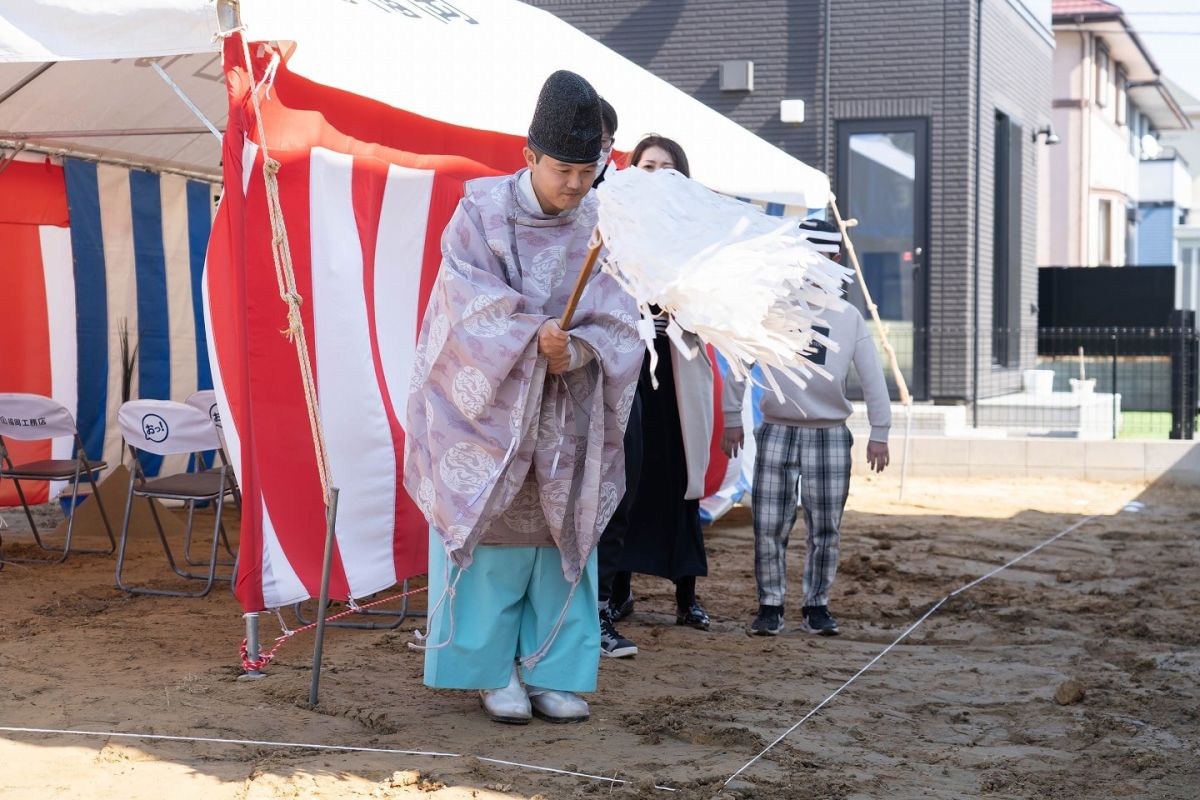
point(897, 375)
point(326, 568)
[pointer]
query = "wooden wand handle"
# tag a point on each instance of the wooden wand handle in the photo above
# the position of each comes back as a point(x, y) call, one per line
point(585, 273)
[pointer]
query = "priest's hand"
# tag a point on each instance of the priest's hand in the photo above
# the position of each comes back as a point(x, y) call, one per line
point(733, 441)
point(552, 343)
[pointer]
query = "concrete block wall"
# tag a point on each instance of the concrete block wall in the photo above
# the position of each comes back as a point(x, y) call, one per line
point(1173, 462)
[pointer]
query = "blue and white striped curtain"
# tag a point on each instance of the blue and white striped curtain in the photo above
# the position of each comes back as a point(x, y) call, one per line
point(139, 239)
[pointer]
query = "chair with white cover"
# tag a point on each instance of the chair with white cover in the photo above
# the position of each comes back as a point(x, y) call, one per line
point(31, 417)
point(163, 427)
point(206, 401)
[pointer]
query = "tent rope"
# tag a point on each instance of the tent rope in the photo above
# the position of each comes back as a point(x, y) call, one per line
point(267, 656)
point(285, 277)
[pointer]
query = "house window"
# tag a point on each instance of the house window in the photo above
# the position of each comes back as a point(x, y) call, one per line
point(1103, 75)
point(1104, 248)
point(1122, 98)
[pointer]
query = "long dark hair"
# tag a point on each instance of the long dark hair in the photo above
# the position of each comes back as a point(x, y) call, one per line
point(670, 145)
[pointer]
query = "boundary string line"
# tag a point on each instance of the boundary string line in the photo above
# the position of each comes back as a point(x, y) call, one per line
point(904, 636)
point(306, 746)
point(613, 781)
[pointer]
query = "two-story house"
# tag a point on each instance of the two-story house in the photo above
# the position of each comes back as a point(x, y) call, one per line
point(1112, 193)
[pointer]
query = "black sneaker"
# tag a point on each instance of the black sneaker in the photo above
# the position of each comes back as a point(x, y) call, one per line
point(769, 621)
point(817, 619)
point(694, 616)
point(621, 610)
point(612, 643)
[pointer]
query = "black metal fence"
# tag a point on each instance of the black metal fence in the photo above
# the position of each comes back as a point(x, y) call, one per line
point(1090, 383)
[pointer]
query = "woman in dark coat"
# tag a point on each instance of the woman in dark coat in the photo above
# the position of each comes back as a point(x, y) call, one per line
point(664, 537)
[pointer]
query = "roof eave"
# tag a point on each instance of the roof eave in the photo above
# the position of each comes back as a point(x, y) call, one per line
point(1184, 123)
point(1083, 19)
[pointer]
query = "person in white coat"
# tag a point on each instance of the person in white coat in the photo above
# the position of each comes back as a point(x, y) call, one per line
point(664, 537)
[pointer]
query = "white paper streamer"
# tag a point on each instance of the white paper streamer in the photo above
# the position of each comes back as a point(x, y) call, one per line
point(747, 283)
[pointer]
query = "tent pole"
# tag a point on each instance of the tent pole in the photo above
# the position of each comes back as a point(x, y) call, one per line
point(187, 101)
point(102, 158)
point(326, 568)
point(28, 79)
point(108, 133)
point(253, 649)
point(6, 160)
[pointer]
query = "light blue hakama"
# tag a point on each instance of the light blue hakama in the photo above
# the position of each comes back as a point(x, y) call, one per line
point(505, 607)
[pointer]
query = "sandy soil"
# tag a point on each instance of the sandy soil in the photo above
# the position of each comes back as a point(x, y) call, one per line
point(964, 708)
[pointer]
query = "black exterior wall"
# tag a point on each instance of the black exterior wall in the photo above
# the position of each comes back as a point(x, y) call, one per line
point(954, 63)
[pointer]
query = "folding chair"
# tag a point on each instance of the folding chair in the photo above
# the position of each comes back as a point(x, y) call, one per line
point(30, 417)
point(162, 427)
point(206, 401)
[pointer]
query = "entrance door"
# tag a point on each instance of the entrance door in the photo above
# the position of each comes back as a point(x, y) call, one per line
point(882, 180)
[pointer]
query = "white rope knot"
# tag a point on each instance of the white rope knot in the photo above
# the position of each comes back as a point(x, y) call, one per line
point(282, 625)
point(226, 34)
point(447, 597)
point(531, 661)
point(295, 327)
point(271, 166)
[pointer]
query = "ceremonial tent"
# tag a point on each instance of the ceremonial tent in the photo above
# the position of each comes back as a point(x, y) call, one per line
point(122, 121)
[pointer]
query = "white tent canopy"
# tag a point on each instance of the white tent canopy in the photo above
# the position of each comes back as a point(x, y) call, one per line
point(475, 63)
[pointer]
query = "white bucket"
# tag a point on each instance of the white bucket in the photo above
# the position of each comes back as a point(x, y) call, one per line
point(1038, 381)
point(1086, 386)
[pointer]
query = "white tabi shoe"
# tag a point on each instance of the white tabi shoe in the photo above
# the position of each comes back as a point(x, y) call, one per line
point(555, 706)
point(509, 705)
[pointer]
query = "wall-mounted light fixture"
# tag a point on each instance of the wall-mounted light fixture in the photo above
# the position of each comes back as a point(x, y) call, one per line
point(791, 111)
point(1047, 133)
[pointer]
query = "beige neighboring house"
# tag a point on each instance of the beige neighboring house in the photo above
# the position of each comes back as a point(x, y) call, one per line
point(1110, 108)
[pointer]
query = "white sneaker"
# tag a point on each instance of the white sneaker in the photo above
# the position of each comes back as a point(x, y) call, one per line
point(510, 704)
point(555, 706)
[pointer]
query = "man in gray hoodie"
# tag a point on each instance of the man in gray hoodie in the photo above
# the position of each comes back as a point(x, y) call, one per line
point(805, 436)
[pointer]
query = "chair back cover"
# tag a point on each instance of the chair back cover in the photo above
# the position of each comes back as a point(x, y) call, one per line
point(206, 401)
point(33, 416)
point(164, 427)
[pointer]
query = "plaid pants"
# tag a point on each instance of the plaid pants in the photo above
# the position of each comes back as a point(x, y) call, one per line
point(822, 457)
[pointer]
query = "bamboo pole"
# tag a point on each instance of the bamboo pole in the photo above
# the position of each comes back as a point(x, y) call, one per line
point(585, 273)
point(897, 375)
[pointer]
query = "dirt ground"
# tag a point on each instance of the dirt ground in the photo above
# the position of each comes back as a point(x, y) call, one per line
point(965, 707)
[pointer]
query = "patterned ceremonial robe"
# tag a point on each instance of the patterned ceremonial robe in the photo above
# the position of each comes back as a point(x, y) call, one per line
point(499, 451)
